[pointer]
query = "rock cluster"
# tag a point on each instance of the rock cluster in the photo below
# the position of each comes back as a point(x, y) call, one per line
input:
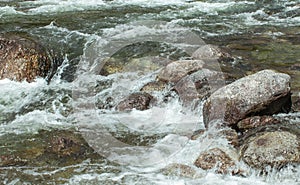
point(247, 105)
point(241, 111)
point(190, 79)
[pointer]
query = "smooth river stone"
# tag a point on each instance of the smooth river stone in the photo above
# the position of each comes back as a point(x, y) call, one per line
point(264, 93)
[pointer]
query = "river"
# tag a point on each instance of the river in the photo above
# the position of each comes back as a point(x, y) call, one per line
point(259, 34)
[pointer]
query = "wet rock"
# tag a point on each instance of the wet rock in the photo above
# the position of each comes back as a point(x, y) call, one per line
point(107, 103)
point(211, 52)
point(174, 71)
point(139, 101)
point(274, 146)
point(24, 59)
point(296, 102)
point(216, 159)
point(256, 121)
point(69, 72)
point(144, 64)
point(263, 93)
point(180, 170)
point(199, 85)
point(56, 147)
point(230, 134)
point(140, 56)
point(198, 133)
point(154, 86)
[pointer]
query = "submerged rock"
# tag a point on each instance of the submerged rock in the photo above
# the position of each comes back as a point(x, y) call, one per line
point(174, 71)
point(274, 146)
point(263, 93)
point(24, 59)
point(180, 170)
point(198, 85)
point(229, 134)
point(211, 52)
point(216, 159)
point(56, 148)
point(140, 56)
point(139, 101)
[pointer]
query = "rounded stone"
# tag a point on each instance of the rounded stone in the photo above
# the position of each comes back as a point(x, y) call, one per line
point(217, 159)
point(175, 71)
point(275, 149)
point(23, 59)
point(139, 101)
point(264, 93)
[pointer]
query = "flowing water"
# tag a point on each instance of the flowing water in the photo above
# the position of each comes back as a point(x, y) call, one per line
point(138, 145)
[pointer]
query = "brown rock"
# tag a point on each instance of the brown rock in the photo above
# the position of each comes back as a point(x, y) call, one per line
point(217, 159)
point(154, 86)
point(23, 59)
point(174, 71)
point(139, 101)
point(256, 121)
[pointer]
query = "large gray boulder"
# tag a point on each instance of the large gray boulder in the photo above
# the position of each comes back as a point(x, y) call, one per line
point(263, 93)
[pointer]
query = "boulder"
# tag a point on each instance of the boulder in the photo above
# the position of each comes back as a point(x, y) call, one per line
point(271, 146)
point(217, 160)
point(139, 101)
point(24, 59)
point(211, 52)
point(199, 85)
point(264, 93)
point(176, 70)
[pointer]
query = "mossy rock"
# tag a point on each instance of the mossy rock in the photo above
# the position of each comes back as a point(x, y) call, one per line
point(54, 147)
